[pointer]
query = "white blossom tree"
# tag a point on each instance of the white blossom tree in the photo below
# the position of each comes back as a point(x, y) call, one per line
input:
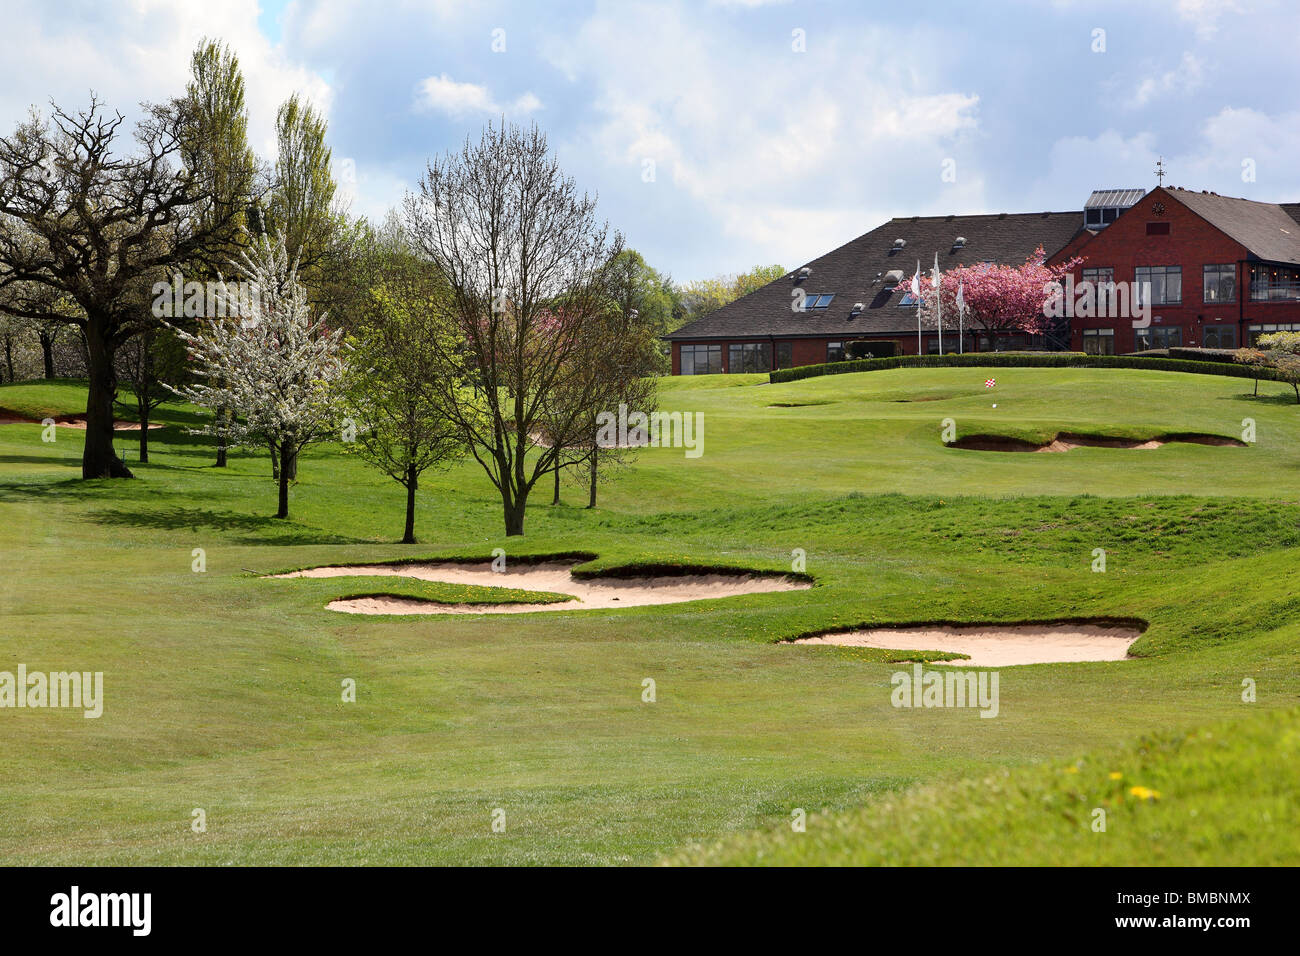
point(277, 368)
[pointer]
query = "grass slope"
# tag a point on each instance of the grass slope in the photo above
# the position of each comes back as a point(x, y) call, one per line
point(1219, 796)
point(223, 691)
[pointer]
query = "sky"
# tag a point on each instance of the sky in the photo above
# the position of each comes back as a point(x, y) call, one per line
point(721, 134)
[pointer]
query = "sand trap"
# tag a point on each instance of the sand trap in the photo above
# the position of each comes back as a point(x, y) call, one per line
point(554, 576)
point(1065, 441)
point(69, 421)
point(991, 645)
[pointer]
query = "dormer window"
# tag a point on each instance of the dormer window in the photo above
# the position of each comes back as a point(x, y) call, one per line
point(817, 300)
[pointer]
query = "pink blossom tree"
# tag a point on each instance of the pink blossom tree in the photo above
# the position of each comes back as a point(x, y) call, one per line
point(998, 298)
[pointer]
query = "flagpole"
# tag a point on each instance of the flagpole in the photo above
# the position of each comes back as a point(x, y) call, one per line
point(961, 318)
point(938, 302)
point(916, 285)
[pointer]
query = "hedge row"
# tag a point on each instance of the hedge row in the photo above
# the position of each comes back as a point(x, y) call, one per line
point(1023, 360)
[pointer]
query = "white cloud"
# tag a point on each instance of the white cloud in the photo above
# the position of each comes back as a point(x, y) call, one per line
point(141, 51)
point(1186, 77)
point(1204, 15)
point(459, 100)
point(786, 154)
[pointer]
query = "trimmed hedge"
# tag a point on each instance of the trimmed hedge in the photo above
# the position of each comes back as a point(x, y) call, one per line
point(1024, 360)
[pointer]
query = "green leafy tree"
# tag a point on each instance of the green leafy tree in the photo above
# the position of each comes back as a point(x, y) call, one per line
point(216, 150)
point(699, 298)
point(394, 420)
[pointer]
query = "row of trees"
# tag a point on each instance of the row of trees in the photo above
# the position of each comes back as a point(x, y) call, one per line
point(491, 317)
point(87, 229)
point(497, 319)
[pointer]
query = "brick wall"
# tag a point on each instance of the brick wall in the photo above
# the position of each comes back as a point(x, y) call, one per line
point(1191, 243)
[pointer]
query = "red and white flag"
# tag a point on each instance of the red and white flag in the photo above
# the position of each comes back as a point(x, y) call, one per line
point(990, 382)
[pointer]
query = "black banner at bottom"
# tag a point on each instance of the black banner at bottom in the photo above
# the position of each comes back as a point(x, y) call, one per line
point(334, 906)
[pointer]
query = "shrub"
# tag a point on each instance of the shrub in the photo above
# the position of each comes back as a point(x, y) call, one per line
point(1022, 360)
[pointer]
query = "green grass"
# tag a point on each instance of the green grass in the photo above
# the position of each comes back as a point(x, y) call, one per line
point(326, 590)
point(223, 690)
point(1219, 796)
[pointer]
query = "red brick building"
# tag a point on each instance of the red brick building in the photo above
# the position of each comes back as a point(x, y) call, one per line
point(1219, 272)
point(860, 293)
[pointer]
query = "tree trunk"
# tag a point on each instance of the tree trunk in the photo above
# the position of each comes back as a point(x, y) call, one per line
point(47, 353)
point(98, 460)
point(412, 481)
point(591, 500)
point(556, 499)
point(514, 510)
point(222, 417)
point(9, 355)
point(275, 460)
point(285, 453)
point(143, 408)
point(293, 465)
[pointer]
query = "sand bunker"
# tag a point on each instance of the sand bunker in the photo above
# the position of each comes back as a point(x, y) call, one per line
point(67, 421)
point(1065, 441)
point(553, 576)
point(997, 645)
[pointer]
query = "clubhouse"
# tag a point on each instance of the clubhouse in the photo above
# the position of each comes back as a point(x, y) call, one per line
point(1221, 272)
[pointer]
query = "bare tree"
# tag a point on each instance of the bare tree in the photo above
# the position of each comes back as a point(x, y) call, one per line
point(98, 227)
point(525, 263)
point(144, 363)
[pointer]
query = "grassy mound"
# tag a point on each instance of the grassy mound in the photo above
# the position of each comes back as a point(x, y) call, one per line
point(1218, 796)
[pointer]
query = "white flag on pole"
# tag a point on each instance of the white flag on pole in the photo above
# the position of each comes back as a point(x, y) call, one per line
point(961, 297)
point(916, 281)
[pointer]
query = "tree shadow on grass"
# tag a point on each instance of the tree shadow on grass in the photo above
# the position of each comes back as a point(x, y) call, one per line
point(39, 460)
point(1280, 398)
point(250, 529)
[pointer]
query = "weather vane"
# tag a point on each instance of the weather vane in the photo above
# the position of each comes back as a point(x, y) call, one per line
point(1160, 170)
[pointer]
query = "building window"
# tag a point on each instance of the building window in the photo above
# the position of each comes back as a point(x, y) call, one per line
point(1164, 282)
point(1158, 337)
point(784, 355)
point(1219, 283)
point(1099, 341)
point(1102, 216)
point(1219, 337)
point(1274, 284)
point(908, 298)
point(1255, 331)
point(1103, 288)
point(817, 300)
point(701, 359)
point(1157, 229)
point(749, 357)
point(835, 351)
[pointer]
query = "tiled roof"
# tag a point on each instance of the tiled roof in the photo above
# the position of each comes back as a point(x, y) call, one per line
point(855, 273)
point(1269, 230)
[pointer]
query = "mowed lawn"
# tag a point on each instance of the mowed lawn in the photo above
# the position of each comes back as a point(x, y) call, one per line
point(223, 690)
